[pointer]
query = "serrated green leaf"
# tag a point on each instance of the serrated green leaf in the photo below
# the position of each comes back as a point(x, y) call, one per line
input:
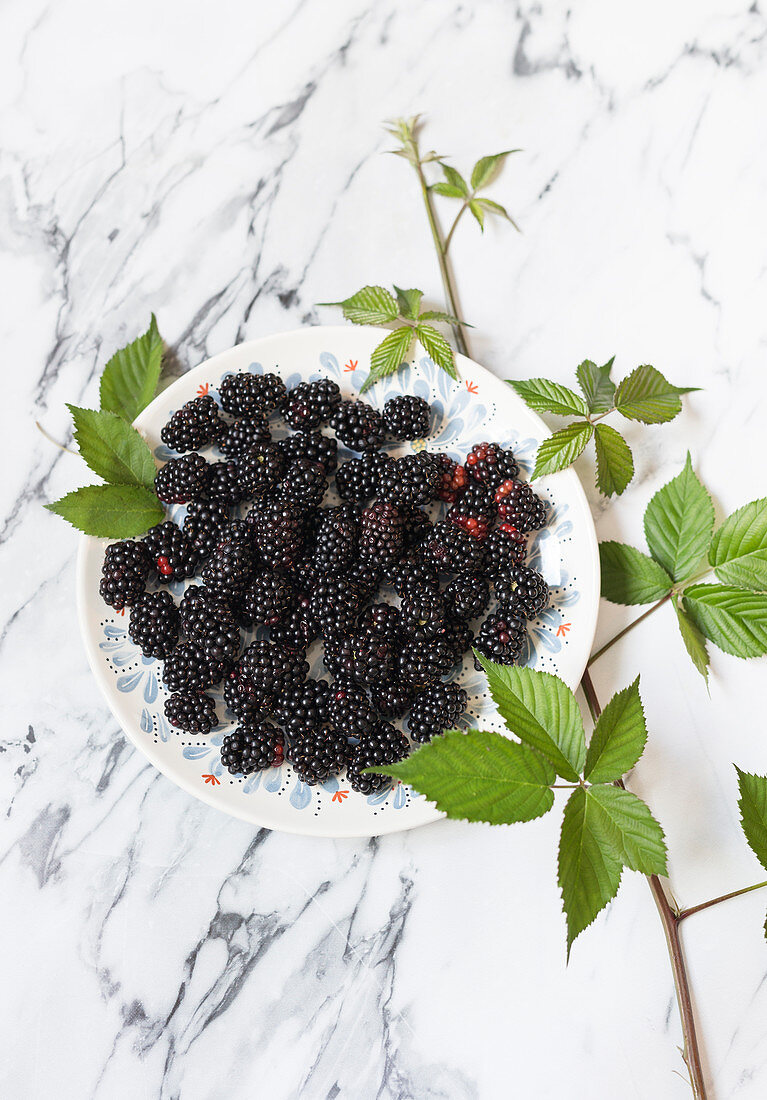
point(637, 837)
point(455, 179)
point(678, 523)
point(372, 305)
point(618, 739)
point(542, 711)
point(409, 302)
point(615, 463)
point(753, 812)
point(130, 378)
point(447, 190)
point(487, 168)
point(436, 345)
point(589, 870)
point(629, 576)
point(496, 208)
point(479, 776)
point(112, 448)
point(478, 212)
point(694, 642)
point(389, 355)
point(110, 511)
point(738, 551)
point(647, 396)
point(438, 315)
point(542, 395)
point(596, 384)
point(732, 618)
point(562, 449)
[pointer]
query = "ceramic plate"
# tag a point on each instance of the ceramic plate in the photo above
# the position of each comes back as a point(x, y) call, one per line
point(478, 407)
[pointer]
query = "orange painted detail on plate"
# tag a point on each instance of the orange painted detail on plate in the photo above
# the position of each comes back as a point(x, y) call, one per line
point(203, 389)
point(212, 779)
point(562, 629)
point(339, 796)
point(351, 366)
point(472, 386)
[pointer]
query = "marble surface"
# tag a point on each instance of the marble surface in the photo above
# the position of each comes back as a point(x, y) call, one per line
point(222, 167)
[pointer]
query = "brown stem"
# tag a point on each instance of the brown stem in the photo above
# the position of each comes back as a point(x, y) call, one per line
point(626, 629)
point(722, 897)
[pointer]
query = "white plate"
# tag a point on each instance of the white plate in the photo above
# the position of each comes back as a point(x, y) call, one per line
point(479, 406)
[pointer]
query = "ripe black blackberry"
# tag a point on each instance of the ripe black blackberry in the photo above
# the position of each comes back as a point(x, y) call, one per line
point(337, 656)
point(304, 485)
point(457, 637)
point(435, 710)
point(229, 567)
point(382, 533)
point(278, 533)
point(380, 621)
point(453, 478)
point(520, 506)
point(172, 552)
point(384, 745)
point(350, 711)
point(263, 671)
point(298, 629)
point(372, 659)
point(365, 576)
point(357, 480)
point(244, 394)
point(267, 599)
point(244, 433)
point(392, 699)
point(448, 549)
point(417, 527)
point(195, 664)
point(252, 747)
point(310, 404)
point(358, 425)
point(124, 573)
point(224, 482)
point(182, 479)
point(523, 590)
point(411, 480)
point(422, 612)
point(315, 759)
point(192, 711)
point(196, 424)
point(334, 605)
point(312, 445)
point(421, 663)
point(474, 511)
point(489, 464)
point(467, 596)
point(205, 523)
point(302, 709)
point(204, 611)
point(504, 548)
point(407, 417)
point(335, 538)
point(409, 572)
point(500, 639)
point(154, 624)
point(259, 470)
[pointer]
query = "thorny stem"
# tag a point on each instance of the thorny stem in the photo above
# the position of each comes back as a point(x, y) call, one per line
point(626, 629)
point(723, 897)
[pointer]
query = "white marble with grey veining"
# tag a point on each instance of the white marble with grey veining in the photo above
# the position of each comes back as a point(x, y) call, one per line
point(221, 165)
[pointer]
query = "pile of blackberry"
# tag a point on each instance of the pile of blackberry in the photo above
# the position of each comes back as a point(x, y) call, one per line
point(422, 559)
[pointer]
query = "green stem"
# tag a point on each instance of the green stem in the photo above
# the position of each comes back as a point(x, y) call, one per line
point(55, 442)
point(723, 897)
point(449, 237)
point(626, 629)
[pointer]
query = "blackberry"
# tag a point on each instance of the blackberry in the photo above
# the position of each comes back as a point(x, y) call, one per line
point(204, 611)
point(381, 621)
point(302, 709)
point(337, 656)
point(467, 596)
point(504, 548)
point(457, 637)
point(263, 671)
point(453, 479)
point(372, 659)
point(244, 394)
point(154, 624)
point(407, 417)
point(392, 699)
point(309, 404)
point(260, 468)
point(421, 663)
point(195, 664)
point(422, 612)
point(266, 600)
point(410, 572)
point(312, 445)
point(437, 709)
point(172, 553)
point(243, 434)
point(224, 482)
point(358, 425)
point(277, 532)
point(448, 549)
point(315, 759)
point(520, 506)
point(182, 479)
point(196, 424)
point(522, 589)
point(124, 573)
point(350, 711)
point(304, 574)
point(335, 539)
point(252, 748)
point(334, 605)
point(382, 535)
point(410, 481)
point(384, 745)
point(358, 479)
point(489, 464)
point(474, 511)
point(297, 630)
point(229, 567)
point(205, 524)
point(365, 576)
point(193, 711)
point(417, 527)
point(304, 484)
point(500, 639)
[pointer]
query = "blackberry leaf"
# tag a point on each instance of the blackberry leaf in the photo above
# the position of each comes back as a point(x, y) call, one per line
point(678, 523)
point(110, 511)
point(618, 739)
point(753, 812)
point(647, 396)
point(738, 550)
point(615, 464)
point(389, 356)
point(629, 576)
point(542, 395)
point(112, 448)
point(373, 305)
point(438, 348)
point(734, 620)
point(562, 448)
point(694, 642)
point(130, 377)
point(597, 386)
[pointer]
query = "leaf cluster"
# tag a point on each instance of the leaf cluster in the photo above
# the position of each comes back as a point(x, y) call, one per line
point(454, 186)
